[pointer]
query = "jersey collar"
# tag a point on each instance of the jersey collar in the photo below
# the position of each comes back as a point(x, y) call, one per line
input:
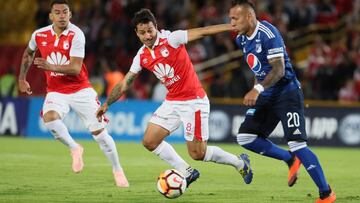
point(255, 31)
point(65, 32)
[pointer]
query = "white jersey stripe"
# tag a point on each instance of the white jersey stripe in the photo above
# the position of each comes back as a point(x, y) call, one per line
point(267, 30)
point(267, 34)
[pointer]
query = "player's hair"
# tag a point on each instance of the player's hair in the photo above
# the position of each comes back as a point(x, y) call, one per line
point(143, 16)
point(53, 2)
point(245, 3)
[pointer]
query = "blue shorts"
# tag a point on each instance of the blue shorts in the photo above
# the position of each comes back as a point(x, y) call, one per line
point(288, 108)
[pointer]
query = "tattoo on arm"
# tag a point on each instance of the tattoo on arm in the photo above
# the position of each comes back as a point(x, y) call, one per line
point(120, 88)
point(276, 73)
point(26, 62)
point(115, 94)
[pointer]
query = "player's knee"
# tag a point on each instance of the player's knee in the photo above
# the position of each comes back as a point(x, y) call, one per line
point(296, 145)
point(150, 144)
point(197, 155)
point(245, 138)
point(50, 116)
point(97, 132)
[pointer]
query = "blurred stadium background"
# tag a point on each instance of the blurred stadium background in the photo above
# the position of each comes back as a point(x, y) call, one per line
point(322, 38)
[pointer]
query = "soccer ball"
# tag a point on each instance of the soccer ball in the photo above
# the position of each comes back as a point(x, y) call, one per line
point(171, 183)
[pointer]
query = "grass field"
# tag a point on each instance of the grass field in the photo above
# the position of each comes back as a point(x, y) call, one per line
point(39, 171)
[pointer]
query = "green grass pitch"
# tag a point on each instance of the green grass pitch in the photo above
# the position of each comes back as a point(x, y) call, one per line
point(33, 170)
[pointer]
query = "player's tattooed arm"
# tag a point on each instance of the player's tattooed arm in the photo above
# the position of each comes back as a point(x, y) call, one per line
point(115, 94)
point(26, 61)
point(198, 33)
point(121, 88)
point(276, 73)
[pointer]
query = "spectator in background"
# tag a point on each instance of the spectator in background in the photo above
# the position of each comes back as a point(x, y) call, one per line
point(357, 79)
point(319, 52)
point(326, 12)
point(42, 14)
point(112, 76)
point(348, 92)
point(8, 86)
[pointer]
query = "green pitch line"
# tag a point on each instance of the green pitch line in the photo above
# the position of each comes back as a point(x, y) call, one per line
point(35, 171)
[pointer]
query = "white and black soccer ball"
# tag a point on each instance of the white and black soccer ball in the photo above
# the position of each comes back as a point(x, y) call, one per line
point(171, 183)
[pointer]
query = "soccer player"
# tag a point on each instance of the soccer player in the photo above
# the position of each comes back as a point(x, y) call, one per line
point(276, 96)
point(62, 49)
point(164, 54)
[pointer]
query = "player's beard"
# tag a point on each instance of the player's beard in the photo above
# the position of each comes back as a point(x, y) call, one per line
point(63, 24)
point(150, 43)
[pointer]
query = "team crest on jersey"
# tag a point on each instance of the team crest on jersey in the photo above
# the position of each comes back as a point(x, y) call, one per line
point(66, 45)
point(145, 61)
point(43, 43)
point(164, 51)
point(253, 62)
point(258, 48)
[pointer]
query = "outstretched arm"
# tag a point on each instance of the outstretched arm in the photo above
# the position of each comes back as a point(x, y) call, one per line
point(26, 61)
point(116, 93)
point(198, 33)
point(73, 68)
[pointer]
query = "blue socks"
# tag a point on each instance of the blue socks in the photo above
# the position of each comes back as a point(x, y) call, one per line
point(267, 148)
point(313, 167)
point(307, 157)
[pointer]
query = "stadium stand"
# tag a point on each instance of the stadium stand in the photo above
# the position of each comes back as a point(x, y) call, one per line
point(323, 38)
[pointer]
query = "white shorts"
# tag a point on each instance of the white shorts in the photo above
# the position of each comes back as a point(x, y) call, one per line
point(194, 114)
point(85, 103)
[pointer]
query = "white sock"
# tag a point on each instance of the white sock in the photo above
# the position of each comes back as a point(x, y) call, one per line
point(107, 145)
point(167, 153)
point(217, 155)
point(61, 133)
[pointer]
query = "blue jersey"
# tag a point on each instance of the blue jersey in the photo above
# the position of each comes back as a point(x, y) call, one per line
point(264, 44)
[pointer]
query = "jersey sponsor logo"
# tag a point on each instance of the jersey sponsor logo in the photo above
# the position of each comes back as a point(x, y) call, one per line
point(253, 63)
point(165, 72)
point(56, 58)
point(41, 35)
point(164, 52)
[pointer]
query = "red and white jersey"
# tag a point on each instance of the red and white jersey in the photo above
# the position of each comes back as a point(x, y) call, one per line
point(170, 62)
point(58, 50)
